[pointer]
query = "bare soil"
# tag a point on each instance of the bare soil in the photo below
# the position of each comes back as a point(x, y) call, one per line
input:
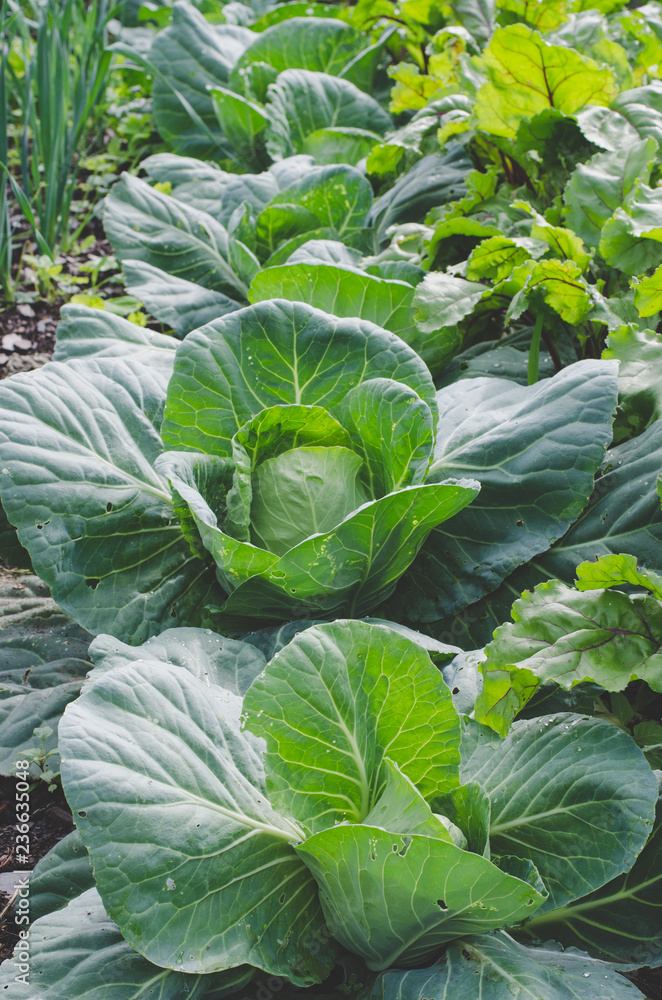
point(649, 981)
point(27, 329)
point(27, 336)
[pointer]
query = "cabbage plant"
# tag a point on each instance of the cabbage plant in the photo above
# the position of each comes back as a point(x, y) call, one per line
point(281, 475)
point(243, 816)
point(301, 458)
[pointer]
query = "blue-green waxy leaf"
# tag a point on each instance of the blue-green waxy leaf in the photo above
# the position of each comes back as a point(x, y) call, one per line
point(259, 189)
point(281, 227)
point(433, 181)
point(43, 662)
point(77, 442)
point(323, 45)
point(477, 16)
point(198, 183)
point(177, 302)
point(186, 57)
point(212, 658)
point(173, 787)
point(95, 333)
point(468, 807)
point(495, 967)
point(33, 631)
point(301, 102)
point(361, 69)
point(144, 224)
point(339, 195)
point(621, 921)
point(271, 353)
point(441, 301)
point(632, 238)
point(574, 795)
point(340, 291)
point(535, 451)
point(79, 952)
point(326, 252)
point(252, 190)
point(242, 121)
point(340, 144)
point(639, 353)
point(272, 639)
point(61, 875)
point(430, 881)
point(632, 115)
point(333, 704)
point(597, 188)
point(624, 513)
point(373, 545)
point(29, 706)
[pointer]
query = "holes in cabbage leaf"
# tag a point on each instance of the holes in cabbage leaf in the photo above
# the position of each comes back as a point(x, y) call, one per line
point(82, 814)
point(441, 904)
point(109, 507)
point(406, 844)
point(282, 898)
point(92, 583)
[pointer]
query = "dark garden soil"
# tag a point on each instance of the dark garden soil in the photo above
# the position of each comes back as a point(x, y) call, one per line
point(649, 981)
point(50, 822)
point(27, 336)
point(27, 329)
